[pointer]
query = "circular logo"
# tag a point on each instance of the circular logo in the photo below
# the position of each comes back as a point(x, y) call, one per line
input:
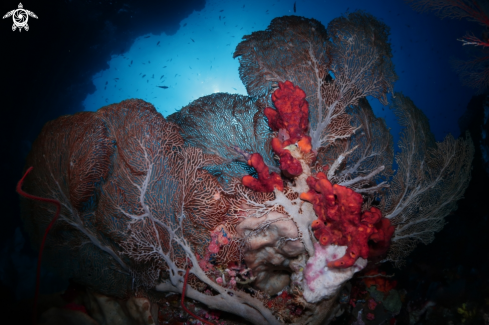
point(20, 18)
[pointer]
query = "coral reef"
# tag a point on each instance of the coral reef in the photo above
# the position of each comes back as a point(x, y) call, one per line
point(258, 207)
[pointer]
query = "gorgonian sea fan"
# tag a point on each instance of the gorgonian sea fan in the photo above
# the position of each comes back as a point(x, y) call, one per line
point(266, 204)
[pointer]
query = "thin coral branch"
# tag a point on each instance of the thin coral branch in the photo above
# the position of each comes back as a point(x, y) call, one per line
point(473, 10)
point(471, 39)
point(41, 249)
point(182, 301)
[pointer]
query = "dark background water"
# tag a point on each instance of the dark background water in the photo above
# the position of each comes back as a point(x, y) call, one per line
point(69, 59)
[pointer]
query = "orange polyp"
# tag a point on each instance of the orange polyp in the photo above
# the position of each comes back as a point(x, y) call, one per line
point(306, 196)
point(316, 224)
point(324, 240)
point(277, 146)
point(305, 144)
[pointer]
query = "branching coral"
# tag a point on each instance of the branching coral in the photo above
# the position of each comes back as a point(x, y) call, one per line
point(241, 210)
point(430, 179)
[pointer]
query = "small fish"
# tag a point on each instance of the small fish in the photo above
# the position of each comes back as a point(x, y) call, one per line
point(184, 24)
point(116, 79)
point(193, 40)
point(176, 75)
point(164, 67)
point(211, 67)
point(162, 76)
point(243, 6)
point(295, 8)
point(190, 67)
point(106, 83)
point(131, 61)
point(235, 88)
point(149, 61)
point(147, 36)
point(153, 76)
point(158, 43)
point(143, 76)
point(266, 12)
point(221, 10)
point(164, 87)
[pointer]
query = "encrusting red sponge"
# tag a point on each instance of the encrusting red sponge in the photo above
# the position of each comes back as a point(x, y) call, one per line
point(292, 111)
point(289, 165)
point(266, 182)
point(292, 120)
point(341, 222)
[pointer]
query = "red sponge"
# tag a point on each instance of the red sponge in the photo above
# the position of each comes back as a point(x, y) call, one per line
point(266, 182)
point(341, 222)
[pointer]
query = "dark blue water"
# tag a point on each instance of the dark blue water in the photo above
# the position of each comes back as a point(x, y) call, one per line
point(197, 60)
